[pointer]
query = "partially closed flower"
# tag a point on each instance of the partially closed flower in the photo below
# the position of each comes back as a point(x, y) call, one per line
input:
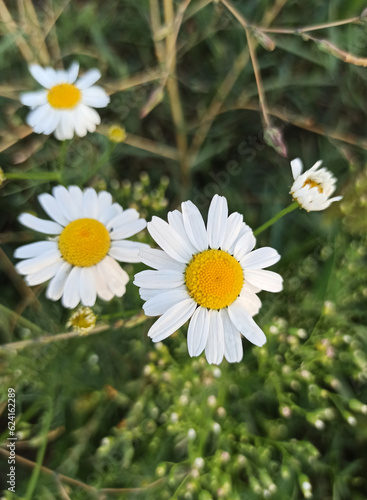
point(313, 188)
point(89, 236)
point(66, 106)
point(209, 275)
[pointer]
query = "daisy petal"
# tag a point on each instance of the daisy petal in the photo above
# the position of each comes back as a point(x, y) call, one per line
point(44, 274)
point(297, 167)
point(214, 349)
point(164, 278)
point(65, 202)
point(157, 259)
point(88, 293)
point(51, 207)
point(88, 79)
point(252, 301)
point(33, 99)
point(194, 226)
point(36, 118)
point(40, 225)
point(71, 295)
point(169, 240)
point(126, 251)
point(265, 280)
point(55, 288)
point(260, 258)
point(217, 221)
point(233, 349)
point(234, 225)
point(77, 196)
point(90, 203)
point(34, 249)
point(96, 97)
point(172, 320)
point(126, 216)
point(158, 305)
point(73, 72)
point(129, 229)
point(35, 264)
point(44, 76)
point(116, 278)
point(244, 245)
point(244, 323)
point(102, 289)
point(104, 201)
point(197, 333)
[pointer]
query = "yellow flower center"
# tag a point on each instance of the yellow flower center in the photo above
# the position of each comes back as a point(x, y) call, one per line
point(311, 184)
point(214, 279)
point(64, 96)
point(83, 320)
point(84, 242)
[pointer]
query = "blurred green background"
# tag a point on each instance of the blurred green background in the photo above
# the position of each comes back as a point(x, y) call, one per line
point(111, 415)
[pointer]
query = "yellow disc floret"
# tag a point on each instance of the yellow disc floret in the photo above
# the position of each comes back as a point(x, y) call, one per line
point(311, 184)
point(84, 242)
point(64, 96)
point(214, 279)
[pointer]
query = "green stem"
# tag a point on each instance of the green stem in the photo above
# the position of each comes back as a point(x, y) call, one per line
point(276, 217)
point(40, 455)
point(35, 176)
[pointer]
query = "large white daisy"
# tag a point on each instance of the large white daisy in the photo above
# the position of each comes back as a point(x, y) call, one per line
point(66, 106)
point(209, 274)
point(80, 261)
point(313, 188)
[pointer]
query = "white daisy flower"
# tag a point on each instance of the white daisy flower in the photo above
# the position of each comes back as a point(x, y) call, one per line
point(313, 188)
point(80, 260)
point(66, 106)
point(209, 274)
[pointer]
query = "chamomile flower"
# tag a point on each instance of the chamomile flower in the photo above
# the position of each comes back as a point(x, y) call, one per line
point(89, 237)
point(313, 188)
point(66, 105)
point(209, 274)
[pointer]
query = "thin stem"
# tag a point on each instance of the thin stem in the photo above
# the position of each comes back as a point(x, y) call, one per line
point(315, 27)
point(35, 176)
point(40, 455)
point(276, 217)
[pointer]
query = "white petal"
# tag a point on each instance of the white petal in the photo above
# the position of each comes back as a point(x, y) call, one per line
point(159, 304)
point(214, 349)
point(38, 116)
point(65, 128)
point(234, 225)
point(96, 97)
point(217, 221)
point(197, 333)
point(169, 240)
point(160, 260)
point(90, 203)
point(149, 293)
point(244, 245)
point(55, 288)
point(89, 116)
point(251, 301)
point(164, 278)
point(265, 280)
point(116, 277)
point(260, 258)
point(244, 323)
point(129, 229)
point(34, 99)
point(101, 286)
point(172, 320)
point(51, 207)
point(233, 350)
point(297, 167)
point(194, 226)
point(76, 195)
point(64, 199)
point(73, 72)
point(71, 295)
point(126, 216)
point(49, 124)
point(35, 264)
point(104, 201)
point(40, 225)
point(44, 274)
point(34, 249)
point(88, 293)
point(44, 76)
point(245, 229)
point(315, 166)
point(88, 79)
point(126, 251)
point(109, 212)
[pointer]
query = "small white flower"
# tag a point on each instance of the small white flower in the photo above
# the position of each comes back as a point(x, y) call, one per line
point(313, 188)
point(209, 274)
point(80, 260)
point(66, 106)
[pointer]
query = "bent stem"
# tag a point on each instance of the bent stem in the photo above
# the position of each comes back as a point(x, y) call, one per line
point(276, 217)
